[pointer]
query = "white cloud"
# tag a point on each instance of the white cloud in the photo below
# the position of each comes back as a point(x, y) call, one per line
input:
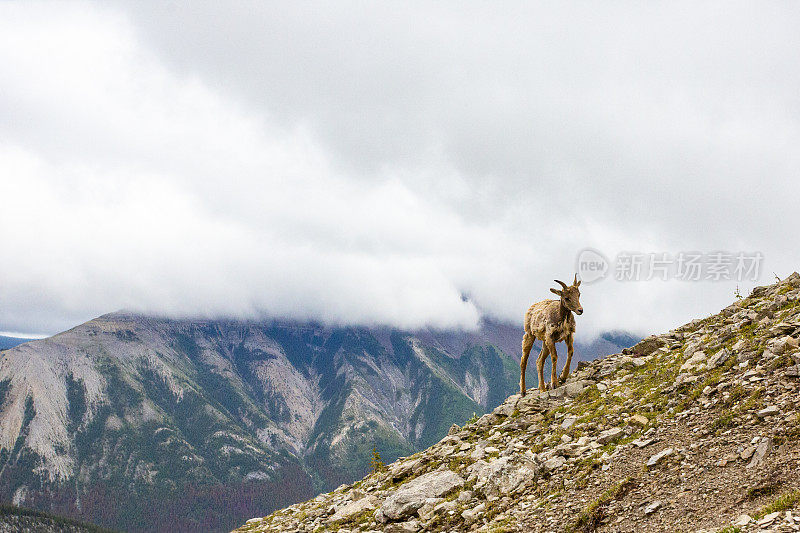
point(374, 163)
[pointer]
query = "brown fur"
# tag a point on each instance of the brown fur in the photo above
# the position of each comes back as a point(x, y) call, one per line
point(551, 321)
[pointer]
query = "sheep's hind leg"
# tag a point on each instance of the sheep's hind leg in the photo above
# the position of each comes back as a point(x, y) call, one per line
point(527, 344)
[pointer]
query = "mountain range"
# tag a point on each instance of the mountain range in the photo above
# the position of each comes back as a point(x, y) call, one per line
point(7, 342)
point(152, 424)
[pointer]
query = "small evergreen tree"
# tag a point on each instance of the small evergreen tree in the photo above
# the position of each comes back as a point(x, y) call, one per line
point(375, 463)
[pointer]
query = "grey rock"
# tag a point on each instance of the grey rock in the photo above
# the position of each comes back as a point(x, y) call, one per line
point(412, 526)
point(351, 509)
point(412, 495)
point(695, 362)
point(652, 507)
point(648, 345)
point(554, 463)
point(783, 328)
point(609, 435)
point(470, 515)
point(740, 345)
point(503, 476)
point(574, 388)
point(747, 453)
point(568, 422)
point(768, 411)
point(719, 358)
point(402, 469)
point(659, 457)
point(507, 408)
point(761, 452)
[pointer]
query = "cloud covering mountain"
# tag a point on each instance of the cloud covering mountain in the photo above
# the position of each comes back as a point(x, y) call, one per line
point(375, 164)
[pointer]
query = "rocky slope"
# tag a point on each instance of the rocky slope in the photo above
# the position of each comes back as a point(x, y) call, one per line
point(695, 430)
point(141, 423)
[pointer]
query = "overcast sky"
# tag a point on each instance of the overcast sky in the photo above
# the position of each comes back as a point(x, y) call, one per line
point(409, 164)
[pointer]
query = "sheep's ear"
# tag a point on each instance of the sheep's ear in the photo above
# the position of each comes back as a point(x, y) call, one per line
point(555, 291)
point(575, 281)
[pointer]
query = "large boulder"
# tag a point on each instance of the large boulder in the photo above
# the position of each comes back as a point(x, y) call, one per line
point(503, 476)
point(648, 345)
point(412, 495)
point(351, 509)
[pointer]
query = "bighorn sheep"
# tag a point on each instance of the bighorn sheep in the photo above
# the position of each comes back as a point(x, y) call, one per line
point(552, 322)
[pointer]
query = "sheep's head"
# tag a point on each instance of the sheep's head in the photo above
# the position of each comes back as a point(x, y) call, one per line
point(570, 295)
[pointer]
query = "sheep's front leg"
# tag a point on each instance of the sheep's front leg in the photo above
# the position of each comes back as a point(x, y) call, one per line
point(570, 351)
point(551, 347)
point(540, 366)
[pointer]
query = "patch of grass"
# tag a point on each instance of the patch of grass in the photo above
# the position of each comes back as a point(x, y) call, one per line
point(781, 362)
point(783, 503)
point(752, 400)
point(786, 288)
point(737, 393)
point(753, 493)
point(591, 517)
point(724, 422)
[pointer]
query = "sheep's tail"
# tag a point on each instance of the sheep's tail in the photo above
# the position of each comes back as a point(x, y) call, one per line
point(528, 320)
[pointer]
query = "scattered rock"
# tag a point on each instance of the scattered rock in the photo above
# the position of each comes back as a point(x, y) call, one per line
point(574, 388)
point(660, 456)
point(761, 452)
point(652, 508)
point(554, 463)
point(638, 420)
point(610, 435)
point(412, 495)
point(648, 345)
point(412, 526)
point(502, 476)
point(719, 358)
point(768, 411)
point(695, 362)
point(353, 508)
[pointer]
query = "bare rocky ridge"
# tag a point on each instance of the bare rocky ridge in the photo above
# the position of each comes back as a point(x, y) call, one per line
point(693, 430)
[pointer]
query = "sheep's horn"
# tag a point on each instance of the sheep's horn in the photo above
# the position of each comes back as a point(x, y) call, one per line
point(575, 281)
point(564, 285)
